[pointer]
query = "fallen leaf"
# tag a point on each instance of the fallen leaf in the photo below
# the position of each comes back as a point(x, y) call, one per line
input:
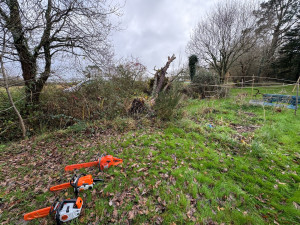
point(297, 206)
point(142, 169)
point(115, 213)
point(157, 184)
point(131, 215)
point(281, 183)
point(220, 208)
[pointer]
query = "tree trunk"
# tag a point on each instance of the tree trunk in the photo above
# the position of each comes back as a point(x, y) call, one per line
point(31, 88)
point(160, 75)
point(273, 47)
point(27, 60)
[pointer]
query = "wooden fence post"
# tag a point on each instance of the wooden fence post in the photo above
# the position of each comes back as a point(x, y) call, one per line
point(297, 96)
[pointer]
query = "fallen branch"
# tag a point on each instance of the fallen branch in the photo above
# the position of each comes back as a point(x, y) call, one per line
point(173, 79)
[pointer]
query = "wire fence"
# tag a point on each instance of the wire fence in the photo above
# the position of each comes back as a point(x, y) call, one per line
point(283, 93)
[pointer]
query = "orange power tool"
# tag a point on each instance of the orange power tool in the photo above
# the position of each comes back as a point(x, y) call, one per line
point(79, 183)
point(104, 162)
point(64, 211)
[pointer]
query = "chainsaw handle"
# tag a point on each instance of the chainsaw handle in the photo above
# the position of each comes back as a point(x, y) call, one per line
point(77, 202)
point(74, 183)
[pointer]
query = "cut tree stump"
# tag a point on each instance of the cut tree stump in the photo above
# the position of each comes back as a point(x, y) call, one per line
point(137, 106)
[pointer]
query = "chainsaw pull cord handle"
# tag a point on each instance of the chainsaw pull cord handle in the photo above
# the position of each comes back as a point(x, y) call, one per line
point(75, 179)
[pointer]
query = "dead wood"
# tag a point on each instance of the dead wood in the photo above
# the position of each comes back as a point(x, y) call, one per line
point(160, 77)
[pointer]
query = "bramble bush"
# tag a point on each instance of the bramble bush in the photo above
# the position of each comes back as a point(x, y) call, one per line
point(58, 109)
point(103, 99)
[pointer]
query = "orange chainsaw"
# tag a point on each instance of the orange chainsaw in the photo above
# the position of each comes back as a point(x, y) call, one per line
point(79, 183)
point(63, 211)
point(104, 162)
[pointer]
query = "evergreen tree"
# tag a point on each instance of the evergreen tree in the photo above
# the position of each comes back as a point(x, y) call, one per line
point(275, 18)
point(193, 59)
point(288, 63)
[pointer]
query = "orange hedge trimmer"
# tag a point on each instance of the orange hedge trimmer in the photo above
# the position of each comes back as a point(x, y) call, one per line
point(104, 162)
point(64, 211)
point(79, 183)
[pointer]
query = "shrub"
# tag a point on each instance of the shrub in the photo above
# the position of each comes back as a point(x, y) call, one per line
point(205, 84)
point(166, 103)
point(100, 99)
point(58, 109)
point(9, 122)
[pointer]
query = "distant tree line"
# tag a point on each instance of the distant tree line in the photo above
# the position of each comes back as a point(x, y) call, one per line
point(246, 40)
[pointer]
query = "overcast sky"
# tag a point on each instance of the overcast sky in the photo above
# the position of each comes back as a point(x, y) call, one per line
point(152, 31)
point(155, 29)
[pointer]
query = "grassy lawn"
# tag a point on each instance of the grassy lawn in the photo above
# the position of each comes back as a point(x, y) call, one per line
point(274, 89)
point(223, 162)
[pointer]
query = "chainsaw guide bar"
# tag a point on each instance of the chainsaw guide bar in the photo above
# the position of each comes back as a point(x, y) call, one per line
point(104, 162)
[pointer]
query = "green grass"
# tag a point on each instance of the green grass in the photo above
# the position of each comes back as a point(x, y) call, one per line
point(273, 89)
point(225, 161)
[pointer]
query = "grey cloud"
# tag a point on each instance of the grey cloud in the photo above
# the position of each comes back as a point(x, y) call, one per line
point(158, 28)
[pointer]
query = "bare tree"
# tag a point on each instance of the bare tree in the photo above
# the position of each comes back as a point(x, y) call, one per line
point(42, 28)
point(225, 34)
point(247, 65)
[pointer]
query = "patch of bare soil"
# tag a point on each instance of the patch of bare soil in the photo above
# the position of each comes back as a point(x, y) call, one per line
point(250, 114)
point(244, 129)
